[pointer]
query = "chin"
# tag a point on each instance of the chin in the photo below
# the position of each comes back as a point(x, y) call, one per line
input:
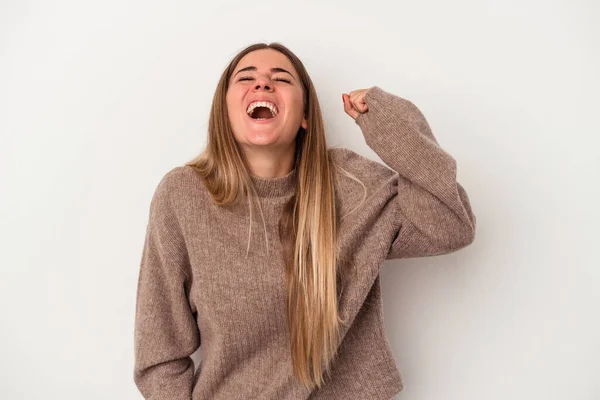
point(261, 138)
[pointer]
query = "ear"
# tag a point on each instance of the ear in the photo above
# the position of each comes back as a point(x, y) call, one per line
point(304, 123)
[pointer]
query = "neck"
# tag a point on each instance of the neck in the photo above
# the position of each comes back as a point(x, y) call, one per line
point(270, 163)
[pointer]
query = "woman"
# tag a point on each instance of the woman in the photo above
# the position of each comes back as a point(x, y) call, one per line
point(292, 308)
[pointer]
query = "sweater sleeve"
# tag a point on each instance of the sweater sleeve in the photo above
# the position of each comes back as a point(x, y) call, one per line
point(433, 215)
point(166, 333)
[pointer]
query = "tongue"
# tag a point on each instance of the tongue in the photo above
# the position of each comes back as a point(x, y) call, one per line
point(262, 112)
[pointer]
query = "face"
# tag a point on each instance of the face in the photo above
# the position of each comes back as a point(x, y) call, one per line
point(270, 77)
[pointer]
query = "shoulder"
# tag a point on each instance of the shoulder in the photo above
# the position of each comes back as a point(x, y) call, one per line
point(372, 173)
point(176, 186)
point(362, 184)
point(180, 179)
point(163, 193)
point(351, 158)
point(169, 182)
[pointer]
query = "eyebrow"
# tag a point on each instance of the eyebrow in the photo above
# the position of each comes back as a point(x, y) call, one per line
point(273, 70)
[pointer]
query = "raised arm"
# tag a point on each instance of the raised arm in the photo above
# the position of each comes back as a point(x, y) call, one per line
point(166, 333)
point(433, 213)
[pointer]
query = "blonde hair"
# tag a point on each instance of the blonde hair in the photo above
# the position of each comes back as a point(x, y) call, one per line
point(307, 227)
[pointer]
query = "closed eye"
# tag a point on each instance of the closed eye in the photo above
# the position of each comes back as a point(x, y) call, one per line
point(248, 78)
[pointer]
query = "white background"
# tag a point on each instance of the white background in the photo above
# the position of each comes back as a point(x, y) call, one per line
point(99, 99)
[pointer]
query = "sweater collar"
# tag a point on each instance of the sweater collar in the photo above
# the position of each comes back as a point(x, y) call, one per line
point(275, 187)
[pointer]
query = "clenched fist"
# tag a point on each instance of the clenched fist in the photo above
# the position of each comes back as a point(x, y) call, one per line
point(354, 102)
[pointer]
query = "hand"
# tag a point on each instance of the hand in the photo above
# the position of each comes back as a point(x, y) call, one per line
point(354, 102)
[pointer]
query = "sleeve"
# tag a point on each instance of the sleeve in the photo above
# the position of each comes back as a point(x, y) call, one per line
point(166, 332)
point(433, 215)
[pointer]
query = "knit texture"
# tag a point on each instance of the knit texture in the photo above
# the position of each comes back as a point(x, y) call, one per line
point(196, 288)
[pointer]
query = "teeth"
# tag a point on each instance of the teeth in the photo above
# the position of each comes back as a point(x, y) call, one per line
point(269, 105)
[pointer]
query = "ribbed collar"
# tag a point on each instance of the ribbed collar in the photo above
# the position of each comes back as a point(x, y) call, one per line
point(275, 187)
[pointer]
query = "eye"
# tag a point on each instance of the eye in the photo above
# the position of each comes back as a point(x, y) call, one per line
point(249, 78)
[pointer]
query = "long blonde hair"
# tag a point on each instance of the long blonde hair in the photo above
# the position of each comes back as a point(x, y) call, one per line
point(307, 226)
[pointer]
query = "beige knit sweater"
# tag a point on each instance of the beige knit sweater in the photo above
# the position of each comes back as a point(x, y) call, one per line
point(196, 288)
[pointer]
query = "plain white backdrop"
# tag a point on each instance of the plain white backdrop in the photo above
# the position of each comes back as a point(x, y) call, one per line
point(99, 99)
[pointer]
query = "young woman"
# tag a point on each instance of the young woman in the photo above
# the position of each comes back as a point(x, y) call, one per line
point(265, 249)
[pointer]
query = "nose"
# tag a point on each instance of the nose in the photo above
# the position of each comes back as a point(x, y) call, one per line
point(263, 83)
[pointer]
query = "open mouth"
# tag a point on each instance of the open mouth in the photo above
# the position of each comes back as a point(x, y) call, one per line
point(262, 111)
point(262, 114)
